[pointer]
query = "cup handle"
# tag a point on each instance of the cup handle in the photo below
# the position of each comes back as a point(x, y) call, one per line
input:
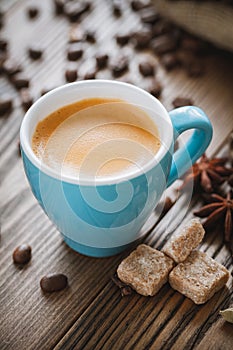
point(185, 118)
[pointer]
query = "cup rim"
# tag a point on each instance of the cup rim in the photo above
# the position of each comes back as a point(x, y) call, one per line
point(27, 149)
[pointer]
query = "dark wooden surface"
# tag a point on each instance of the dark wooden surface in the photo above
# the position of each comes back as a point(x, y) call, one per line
point(91, 314)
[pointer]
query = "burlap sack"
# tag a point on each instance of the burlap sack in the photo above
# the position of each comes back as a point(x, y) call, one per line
point(212, 21)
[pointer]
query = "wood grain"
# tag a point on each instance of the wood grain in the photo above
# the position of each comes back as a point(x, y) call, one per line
point(91, 314)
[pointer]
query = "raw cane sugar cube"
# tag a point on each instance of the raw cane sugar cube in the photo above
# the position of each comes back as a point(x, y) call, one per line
point(146, 270)
point(184, 241)
point(199, 277)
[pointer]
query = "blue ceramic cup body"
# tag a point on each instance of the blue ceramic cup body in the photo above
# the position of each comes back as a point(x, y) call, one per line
point(102, 217)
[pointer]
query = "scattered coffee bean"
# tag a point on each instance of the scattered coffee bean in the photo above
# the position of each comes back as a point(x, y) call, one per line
point(26, 99)
point(141, 39)
point(20, 81)
point(74, 10)
point(191, 43)
point(119, 66)
point(53, 282)
point(161, 27)
point(138, 5)
point(195, 69)
point(149, 15)
point(32, 12)
point(22, 254)
point(11, 67)
point(3, 45)
point(182, 101)
point(6, 105)
point(35, 53)
point(90, 36)
point(71, 75)
point(163, 44)
point(91, 74)
point(76, 34)
point(169, 61)
point(155, 88)
point(101, 60)
point(59, 6)
point(117, 8)
point(122, 39)
point(75, 52)
point(146, 68)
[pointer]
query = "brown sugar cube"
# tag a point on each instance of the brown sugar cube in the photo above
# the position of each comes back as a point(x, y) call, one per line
point(183, 242)
point(145, 270)
point(199, 277)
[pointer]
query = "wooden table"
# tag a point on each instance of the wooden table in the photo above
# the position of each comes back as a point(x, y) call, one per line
point(90, 313)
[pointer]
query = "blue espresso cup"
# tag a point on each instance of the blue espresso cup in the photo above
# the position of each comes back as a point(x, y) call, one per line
point(102, 217)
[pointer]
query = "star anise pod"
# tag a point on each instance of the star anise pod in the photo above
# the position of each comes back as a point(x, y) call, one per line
point(219, 209)
point(207, 173)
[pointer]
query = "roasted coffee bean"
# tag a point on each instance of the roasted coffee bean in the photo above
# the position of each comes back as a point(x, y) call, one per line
point(35, 53)
point(169, 61)
point(191, 43)
point(74, 10)
point(75, 52)
point(26, 99)
point(117, 8)
point(146, 68)
point(182, 101)
point(161, 27)
point(101, 60)
point(195, 69)
point(53, 282)
point(59, 6)
point(71, 75)
point(11, 67)
point(163, 44)
point(3, 45)
point(20, 81)
point(149, 15)
point(91, 74)
point(119, 66)
point(22, 254)
point(6, 105)
point(155, 88)
point(138, 5)
point(90, 36)
point(141, 39)
point(122, 39)
point(32, 12)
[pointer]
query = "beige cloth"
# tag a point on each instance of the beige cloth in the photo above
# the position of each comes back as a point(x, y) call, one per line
point(212, 21)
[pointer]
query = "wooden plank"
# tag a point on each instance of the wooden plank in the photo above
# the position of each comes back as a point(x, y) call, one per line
point(91, 312)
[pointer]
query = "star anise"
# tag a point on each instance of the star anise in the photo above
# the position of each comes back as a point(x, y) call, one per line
point(218, 209)
point(207, 174)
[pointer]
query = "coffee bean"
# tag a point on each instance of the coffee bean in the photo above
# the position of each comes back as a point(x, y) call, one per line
point(22, 254)
point(11, 67)
point(191, 43)
point(71, 75)
point(90, 36)
point(149, 15)
point(117, 8)
point(74, 10)
point(122, 39)
point(35, 53)
point(53, 282)
point(195, 69)
point(6, 105)
point(138, 5)
point(146, 68)
point(119, 66)
point(101, 60)
point(32, 12)
point(163, 44)
point(161, 27)
point(59, 6)
point(169, 61)
point(75, 52)
point(3, 44)
point(20, 81)
point(141, 38)
point(182, 101)
point(26, 99)
point(155, 88)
